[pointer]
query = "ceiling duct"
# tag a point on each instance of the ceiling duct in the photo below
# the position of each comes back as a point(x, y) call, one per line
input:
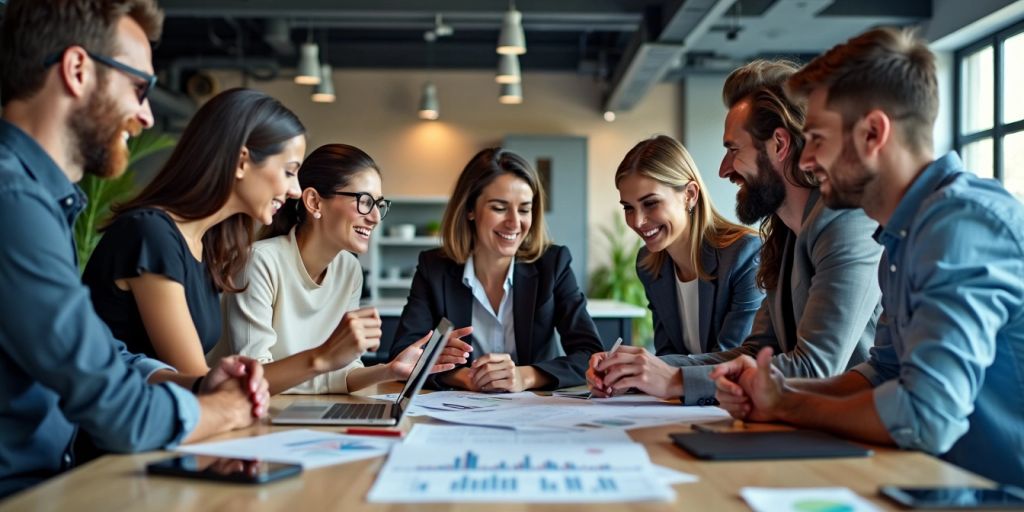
point(659, 44)
point(644, 68)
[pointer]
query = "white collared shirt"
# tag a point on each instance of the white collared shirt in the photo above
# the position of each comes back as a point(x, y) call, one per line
point(494, 332)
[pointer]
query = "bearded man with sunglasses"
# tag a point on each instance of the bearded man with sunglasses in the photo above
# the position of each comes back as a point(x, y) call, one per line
point(75, 78)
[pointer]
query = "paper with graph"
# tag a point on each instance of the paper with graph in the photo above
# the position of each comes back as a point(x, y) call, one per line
point(431, 434)
point(309, 448)
point(559, 413)
point(520, 473)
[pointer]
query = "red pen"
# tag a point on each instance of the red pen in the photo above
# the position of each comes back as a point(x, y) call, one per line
point(384, 432)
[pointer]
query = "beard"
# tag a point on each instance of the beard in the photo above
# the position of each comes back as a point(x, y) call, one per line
point(98, 128)
point(848, 192)
point(761, 196)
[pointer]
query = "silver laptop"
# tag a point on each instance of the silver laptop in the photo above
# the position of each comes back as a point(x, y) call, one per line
point(370, 412)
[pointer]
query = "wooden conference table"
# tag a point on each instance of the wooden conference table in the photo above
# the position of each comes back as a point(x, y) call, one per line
point(119, 482)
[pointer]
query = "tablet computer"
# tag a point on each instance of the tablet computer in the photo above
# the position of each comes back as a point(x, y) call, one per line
point(783, 444)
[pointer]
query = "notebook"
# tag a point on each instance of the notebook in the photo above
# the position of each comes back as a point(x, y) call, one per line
point(366, 411)
point(786, 444)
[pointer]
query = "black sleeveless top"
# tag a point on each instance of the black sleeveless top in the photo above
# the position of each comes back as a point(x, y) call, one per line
point(147, 241)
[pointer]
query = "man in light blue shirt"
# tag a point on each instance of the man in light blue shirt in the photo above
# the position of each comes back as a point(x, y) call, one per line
point(946, 374)
point(74, 86)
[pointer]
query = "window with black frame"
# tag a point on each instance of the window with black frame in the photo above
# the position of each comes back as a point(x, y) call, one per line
point(989, 111)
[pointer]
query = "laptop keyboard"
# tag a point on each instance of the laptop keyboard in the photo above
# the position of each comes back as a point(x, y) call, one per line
point(354, 411)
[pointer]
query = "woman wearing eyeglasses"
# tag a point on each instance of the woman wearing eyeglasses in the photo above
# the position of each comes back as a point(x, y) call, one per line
point(157, 274)
point(303, 277)
point(497, 271)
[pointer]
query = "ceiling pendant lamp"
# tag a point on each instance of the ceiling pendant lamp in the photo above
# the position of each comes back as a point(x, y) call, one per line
point(511, 94)
point(512, 40)
point(308, 72)
point(508, 69)
point(324, 91)
point(430, 109)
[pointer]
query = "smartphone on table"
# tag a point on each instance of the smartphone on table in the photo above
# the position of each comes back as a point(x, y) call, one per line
point(955, 497)
point(224, 469)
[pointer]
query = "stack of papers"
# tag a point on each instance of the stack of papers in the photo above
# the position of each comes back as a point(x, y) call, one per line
point(531, 473)
point(478, 464)
point(528, 411)
point(309, 448)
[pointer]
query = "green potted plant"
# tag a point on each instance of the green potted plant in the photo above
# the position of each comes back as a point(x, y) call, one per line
point(432, 228)
point(102, 193)
point(617, 280)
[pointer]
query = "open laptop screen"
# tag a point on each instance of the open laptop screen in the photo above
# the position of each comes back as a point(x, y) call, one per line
point(431, 352)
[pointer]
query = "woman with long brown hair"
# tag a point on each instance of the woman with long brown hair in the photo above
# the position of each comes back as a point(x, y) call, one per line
point(165, 257)
point(698, 270)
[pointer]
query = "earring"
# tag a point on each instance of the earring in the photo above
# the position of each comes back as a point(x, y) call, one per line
point(316, 215)
point(690, 211)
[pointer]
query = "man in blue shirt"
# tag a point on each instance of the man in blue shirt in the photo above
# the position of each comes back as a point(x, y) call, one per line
point(946, 374)
point(75, 74)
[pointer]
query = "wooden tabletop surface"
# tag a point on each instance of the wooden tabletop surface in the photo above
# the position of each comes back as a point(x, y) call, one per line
point(119, 482)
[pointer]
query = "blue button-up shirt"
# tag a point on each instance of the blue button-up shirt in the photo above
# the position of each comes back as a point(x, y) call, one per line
point(60, 367)
point(948, 362)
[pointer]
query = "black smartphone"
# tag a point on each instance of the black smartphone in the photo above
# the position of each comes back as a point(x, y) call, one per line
point(955, 497)
point(224, 469)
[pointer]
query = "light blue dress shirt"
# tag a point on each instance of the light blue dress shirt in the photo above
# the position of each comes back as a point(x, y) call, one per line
point(60, 368)
point(494, 331)
point(948, 362)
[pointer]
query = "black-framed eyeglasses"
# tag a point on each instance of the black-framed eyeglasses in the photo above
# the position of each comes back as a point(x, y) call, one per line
point(365, 202)
point(141, 88)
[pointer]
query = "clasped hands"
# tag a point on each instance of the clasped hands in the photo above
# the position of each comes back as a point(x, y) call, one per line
point(748, 389)
point(239, 381)
point(493, 373)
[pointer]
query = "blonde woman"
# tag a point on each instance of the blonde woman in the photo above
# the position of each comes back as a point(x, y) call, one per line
point(497, 271)
point(698, 270)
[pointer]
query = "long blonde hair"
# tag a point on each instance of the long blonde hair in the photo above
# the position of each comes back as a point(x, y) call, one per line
point(665, 160)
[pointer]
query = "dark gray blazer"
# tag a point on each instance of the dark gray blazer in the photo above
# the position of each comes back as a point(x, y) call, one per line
point(545, 297)
point(728, 303)
point(828, 324)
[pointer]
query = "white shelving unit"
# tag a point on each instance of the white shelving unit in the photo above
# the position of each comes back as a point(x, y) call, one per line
point(389, 254)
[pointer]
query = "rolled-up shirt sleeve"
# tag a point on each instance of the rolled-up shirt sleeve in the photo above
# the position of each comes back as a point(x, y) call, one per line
point(52, 334)
point(962, 284)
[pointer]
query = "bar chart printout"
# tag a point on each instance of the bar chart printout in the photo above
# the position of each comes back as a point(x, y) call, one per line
point(521, 473)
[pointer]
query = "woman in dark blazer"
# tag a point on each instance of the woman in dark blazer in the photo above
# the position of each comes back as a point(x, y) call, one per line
point(698, 270)
point(497, 271)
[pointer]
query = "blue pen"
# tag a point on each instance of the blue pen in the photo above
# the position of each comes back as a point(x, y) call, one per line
point(615, 347)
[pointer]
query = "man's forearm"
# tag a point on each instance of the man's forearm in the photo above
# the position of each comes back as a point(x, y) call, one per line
point(185, 381)
point(851, 416)
point(219, 412)
point(844, 384)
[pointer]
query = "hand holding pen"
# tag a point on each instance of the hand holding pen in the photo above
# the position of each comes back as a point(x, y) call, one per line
point(594, 377)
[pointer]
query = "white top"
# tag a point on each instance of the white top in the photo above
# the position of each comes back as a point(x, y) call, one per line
point(284, 311)
point(689, 305)
point(495, 332)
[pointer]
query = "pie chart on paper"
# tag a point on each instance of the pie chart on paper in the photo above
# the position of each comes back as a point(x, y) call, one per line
point(821, 506)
